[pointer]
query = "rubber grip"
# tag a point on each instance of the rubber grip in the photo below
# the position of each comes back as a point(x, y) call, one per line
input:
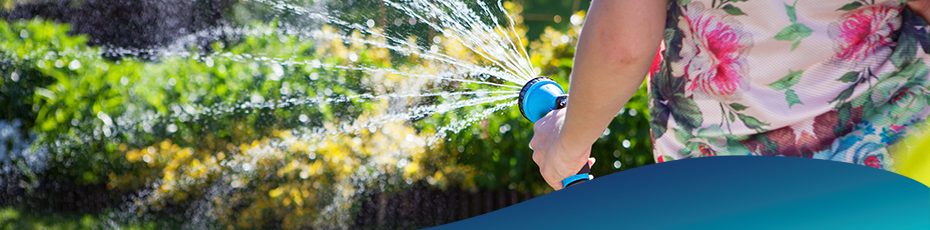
point(582, 176)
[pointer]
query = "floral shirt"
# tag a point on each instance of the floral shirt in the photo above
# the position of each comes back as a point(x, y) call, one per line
point(827, 79)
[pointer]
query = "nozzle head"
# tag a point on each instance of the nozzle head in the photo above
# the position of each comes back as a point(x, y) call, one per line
point(539, 96)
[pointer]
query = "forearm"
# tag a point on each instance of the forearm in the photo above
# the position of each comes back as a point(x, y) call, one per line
point(921, 8)
point(617, 44)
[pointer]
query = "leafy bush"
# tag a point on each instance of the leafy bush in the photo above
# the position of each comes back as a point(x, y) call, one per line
point(263, 131)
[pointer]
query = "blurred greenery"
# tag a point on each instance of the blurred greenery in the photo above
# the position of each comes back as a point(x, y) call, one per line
point(244, 125)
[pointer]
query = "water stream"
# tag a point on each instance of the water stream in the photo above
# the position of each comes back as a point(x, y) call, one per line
point(472, 65)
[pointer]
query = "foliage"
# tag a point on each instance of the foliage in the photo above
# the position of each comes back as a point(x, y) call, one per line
point(24, 219)
point(494, 153)
point(261, 130)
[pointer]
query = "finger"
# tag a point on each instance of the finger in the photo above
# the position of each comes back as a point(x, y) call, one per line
point(537, 158)
point(555, 185)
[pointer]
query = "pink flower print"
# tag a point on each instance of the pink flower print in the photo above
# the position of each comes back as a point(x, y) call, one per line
point(873, 161)
point(896, 128)
point(656, 62)
point(862, 32)
point(706, 151)
point(714, 46)
point(901, 95)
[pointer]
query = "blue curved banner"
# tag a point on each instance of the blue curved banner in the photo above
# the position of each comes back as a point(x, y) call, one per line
point(733, 192)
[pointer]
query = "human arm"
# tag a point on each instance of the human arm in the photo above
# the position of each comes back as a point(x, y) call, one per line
point(921, 8)
point(618, 42)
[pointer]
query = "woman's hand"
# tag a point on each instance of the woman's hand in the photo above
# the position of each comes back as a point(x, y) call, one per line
point(614, 53)
point(556, 160)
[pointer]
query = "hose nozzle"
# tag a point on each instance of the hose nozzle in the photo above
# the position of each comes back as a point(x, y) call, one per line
point(539, 96)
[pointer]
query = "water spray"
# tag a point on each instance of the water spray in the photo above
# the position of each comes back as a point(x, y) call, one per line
point(537, 98)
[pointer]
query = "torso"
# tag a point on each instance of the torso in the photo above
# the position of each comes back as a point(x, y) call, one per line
point(839, 80)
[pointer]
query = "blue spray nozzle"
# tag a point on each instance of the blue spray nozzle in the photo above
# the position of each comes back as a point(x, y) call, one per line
point(539, 96)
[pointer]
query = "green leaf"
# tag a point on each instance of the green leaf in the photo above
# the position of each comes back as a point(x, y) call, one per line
point(682, 136)
point(845, 94)
point(792, 98)
point(849, 77)
point(732, 10)
point(659, 112)
point(794, 32)
point(685, 111)
point(789, 33)
point(734, 148)
point(803, 31)
point(905, 52)
point(850, 6)
point(738, 107)
point(751, 122)
point(684, 2)
point(712, 131)
point(787, 81)
point(566, 62)
point(732, 118)
point(795, 45)
point(792, 16)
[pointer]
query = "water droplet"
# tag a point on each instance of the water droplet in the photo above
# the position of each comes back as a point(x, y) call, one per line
point(278, 72)
point(247, 167)
point(617, 153)
point(370, 23)
point(566, 39)
point(147, 158)
point(14, 77)
point(626, 144)
point(303, 118)
point(172, 82)
point(257, 99)
point(209, 62)
point(409, 180)
point(397, 21)
point(617, 164)
point(504, 128)
point(74, 65)
point(412, 21)
point(172, 128)
point(576, 20)
point(606, 131)
point(314, 76)
point(59, 63)
point(107, 121)
point(402, 163)
point(24, 34)
point(353, 57)
point(124, 81)
point(632, 112)
point(434, 49)
point(437, 39)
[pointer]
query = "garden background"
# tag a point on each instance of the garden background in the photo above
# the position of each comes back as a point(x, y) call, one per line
point(83, 145)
